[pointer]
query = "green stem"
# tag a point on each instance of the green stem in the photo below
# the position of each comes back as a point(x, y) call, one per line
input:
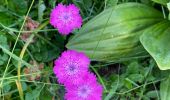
point(18, 83)
point(14, 56)
point(100, 79)
point(163, 11)
point(6, 69)
point(22, 55)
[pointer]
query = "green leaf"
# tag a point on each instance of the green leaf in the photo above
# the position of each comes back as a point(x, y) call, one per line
point(164, 2)
point(133, 68)
point(156, 41)
point(152, 94)
point(148, 2)
point(3, 56)
point(14, 56)
point(6, 87)
point(18, 6)
point(43, 52)
point(114, 86)
point(87, 3)
point(17, 53)
point(41, 9)
point(2, 8)
point(29, 96)
point(113, 35)
point(34, 94)
point(136, 77)
point(3, 2)
point(46, 92)
point(111, 3)
point(165, 89)
point(5, 19)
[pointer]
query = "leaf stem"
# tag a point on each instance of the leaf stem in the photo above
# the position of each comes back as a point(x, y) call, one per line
point(7, 66)
point(100, 79)
point(22, 55)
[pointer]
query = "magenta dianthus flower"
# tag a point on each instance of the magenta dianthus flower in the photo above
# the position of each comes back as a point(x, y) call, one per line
point(71, 66)
point(86, 89)
point(65, 18)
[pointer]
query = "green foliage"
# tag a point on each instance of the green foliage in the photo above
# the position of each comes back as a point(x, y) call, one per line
point(41, 10)
point(17, 5)
point(165, 89)
point(5, 19)
point(111, 3)
point(3, 43)
point(119, 28)
point(113, 31)
point(42, 52)
point(155, 40)
point(34, 94)
point(152, 94)
point(164, 2)
point(121, 85)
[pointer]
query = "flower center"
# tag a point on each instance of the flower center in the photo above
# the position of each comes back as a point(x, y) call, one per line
point(72, 69)
point(66, 17)
point(84, 91)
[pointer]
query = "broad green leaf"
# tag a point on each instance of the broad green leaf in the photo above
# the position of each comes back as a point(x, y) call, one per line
point(165, 89)
point(168, 6)
point(164, 2)
point(113, 35)
point(156, 41)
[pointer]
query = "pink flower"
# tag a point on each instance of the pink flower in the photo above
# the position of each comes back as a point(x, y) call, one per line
point(71, 66)
point(86, 89)
point(65, 18)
